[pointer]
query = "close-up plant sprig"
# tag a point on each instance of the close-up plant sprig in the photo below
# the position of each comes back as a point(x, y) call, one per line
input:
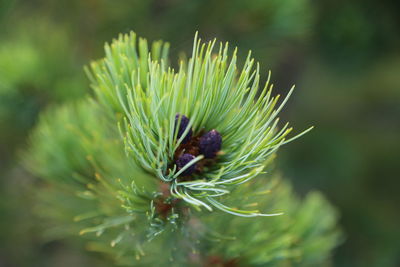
point(207, 93)
point(163, 158)
point(181, 133)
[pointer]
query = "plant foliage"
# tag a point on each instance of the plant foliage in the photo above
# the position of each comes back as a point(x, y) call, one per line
point(119, 191)
point(212, 92)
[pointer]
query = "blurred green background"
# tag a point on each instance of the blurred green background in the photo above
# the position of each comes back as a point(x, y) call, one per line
point(343, 56)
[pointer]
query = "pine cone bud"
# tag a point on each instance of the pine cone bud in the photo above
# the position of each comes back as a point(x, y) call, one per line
point(183, 160)
point(182, 127)
point(210, 143)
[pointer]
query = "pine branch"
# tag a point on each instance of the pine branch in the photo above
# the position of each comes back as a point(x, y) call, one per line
point(213, 93)
point(160, 159)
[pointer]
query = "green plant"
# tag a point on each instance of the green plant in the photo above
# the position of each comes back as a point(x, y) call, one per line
point(147, 208)
point(209, 89)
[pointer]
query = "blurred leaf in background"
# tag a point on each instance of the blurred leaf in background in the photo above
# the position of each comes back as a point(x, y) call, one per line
point(37, 67)
point(350, 89)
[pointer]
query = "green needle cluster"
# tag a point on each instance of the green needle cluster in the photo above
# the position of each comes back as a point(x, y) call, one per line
point(112, 183)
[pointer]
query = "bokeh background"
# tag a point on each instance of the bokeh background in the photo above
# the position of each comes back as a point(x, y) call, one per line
point(343, 56)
